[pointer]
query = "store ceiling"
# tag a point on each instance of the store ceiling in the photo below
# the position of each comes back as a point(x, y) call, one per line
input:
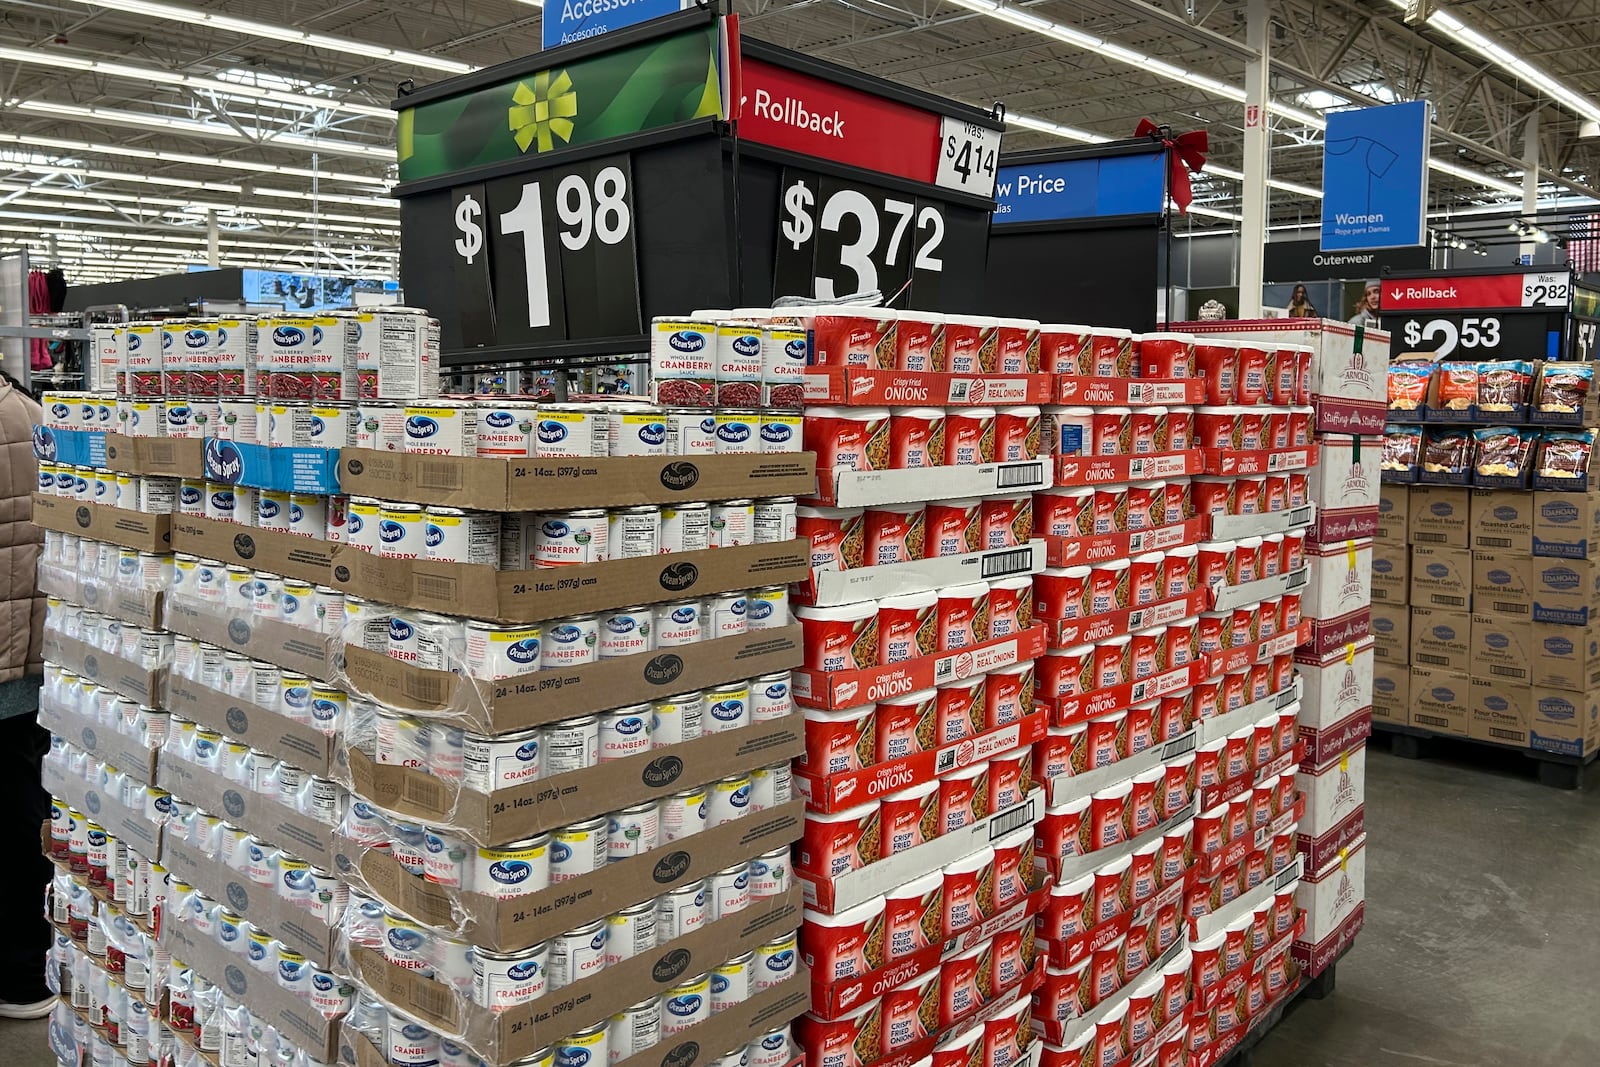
point(122, 122)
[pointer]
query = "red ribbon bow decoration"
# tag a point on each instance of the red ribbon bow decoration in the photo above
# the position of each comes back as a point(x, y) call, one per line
point(1185, 153)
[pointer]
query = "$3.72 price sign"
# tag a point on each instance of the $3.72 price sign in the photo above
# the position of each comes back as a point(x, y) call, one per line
point(838, 237)
point(544, 257)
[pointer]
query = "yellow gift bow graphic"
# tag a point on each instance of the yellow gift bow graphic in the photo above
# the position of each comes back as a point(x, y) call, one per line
point(545, 112)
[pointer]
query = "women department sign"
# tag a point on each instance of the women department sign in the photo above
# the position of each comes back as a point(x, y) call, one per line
point(1375, 177)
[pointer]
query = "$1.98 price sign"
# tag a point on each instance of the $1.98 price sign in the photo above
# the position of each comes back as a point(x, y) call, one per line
point(537, 258)
point(838, 237)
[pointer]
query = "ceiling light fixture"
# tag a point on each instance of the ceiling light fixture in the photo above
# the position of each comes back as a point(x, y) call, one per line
point(205, 129)
point(146, 155)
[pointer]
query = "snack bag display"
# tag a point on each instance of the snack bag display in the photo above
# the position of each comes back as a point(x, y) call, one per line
point(1458, 386)
point(1503, 452)
point(1563, 387)
point(1447, 452)
point(1402, 448)
point(1408, 385)
point(1504, 386)
point(1565, 455)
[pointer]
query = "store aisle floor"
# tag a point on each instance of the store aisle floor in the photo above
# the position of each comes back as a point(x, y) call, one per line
point(1482, 942)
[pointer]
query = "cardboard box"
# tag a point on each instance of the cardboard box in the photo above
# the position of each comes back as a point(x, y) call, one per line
point(264, 816)
point(1499, 713)
point(290, 1014)
point(547, 696)
point(296, 927)
point(846, 488)
point(1340, 581)
point(831, 588)
point(560, 800)
point(1501, 521)
point(1567, 724)
point(132, 680)
point(1565, 657)
point(531, 484)
point(1344, 486)
point(1391, 693)
point(106, 808)
point(1439, 515)
point(1566, 525)
point(1391, 573)
point(1441, 639)
point(514, 923)
point(1337, 686)
point(309, 559)
point(1566, 591)
point(293, 648)
point(1441, 578)
point(126, 602)
point(1332, 634)
point(1330, 895)
point(139, 530)
point(561, 592)
point(1502, 648)
point(1394, 514)
point(1333, 790)
point(1391, 629)
point(168, 457)
point(517, 1032)
point(123, 752)
point(1502, 584)
point(264, 729)
point(1440, 700)
point(290, 470)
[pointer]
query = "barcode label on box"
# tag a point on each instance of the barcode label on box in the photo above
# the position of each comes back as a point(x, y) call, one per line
point(1424, 536)
point(434, 587)
point(438, 475)
point(1442, 601)
point(1439, 661)
point(1512, 607)
point(1014, 474)
point(1018, 817)
point(1508, 672)
point(1491, 542)
point(1001, 564)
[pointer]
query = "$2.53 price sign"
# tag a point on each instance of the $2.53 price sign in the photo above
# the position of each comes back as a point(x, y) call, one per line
point(544, 257)
point(838, 237)
point(1517, 335)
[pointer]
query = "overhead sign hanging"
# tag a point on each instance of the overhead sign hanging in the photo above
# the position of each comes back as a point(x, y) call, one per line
point(566, 21)
point(1375, 177)
point(1100, 187)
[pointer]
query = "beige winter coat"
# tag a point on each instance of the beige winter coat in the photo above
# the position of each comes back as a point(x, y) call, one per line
point(21, 606)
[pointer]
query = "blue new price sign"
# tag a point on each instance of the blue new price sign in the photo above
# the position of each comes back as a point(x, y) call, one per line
point(566, 21)
point(1080, 188)
point(1375, 177)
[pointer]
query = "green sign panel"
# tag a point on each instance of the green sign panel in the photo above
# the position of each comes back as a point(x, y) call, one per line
point(642, 87)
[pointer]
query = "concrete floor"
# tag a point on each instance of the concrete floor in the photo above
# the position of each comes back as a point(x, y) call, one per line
point(1482, 944)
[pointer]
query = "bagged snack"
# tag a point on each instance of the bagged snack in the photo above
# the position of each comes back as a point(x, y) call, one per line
point(1458, 386)
point(1503, 451)
point(1504, 385)
point(1564, 454)
point(1446, 451)
point(1408, 385)
point(1563, 387)
point(1402, 447)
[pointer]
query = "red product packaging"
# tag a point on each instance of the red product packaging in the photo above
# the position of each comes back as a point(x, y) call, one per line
point(1146, 506)
point(1017, 346)
point(1282, 913)
point(968, 891)
point(960, 990)
point(837, 536)
point(1238, 819)
point(854, 340)
point(1180, 429)
point(1008, 695)
point(912, 916)
point(1283, 850)
point(1211, 496)
point(1218, 564)
point(1005, 521)
point(1105, 974)
point(1144, 813)
point(959, 709)
point(1062, 592)
point(1010, 606)
point(893, 533)
point(963, 800)
point(1141, 727)
point(963, 616)
point(1065, 349)
point(1302, 385)
point(1247, 560)
point(1286, 785)
point(845, 945)
point(916, 438)
point(1274, 493)
point(839, 741)
point(1166, 355)
point(1070, 910)
point(1111, 1035)
point(1016, 434)
point(906, 725)
point(906, 627)
point(1111, 661)
point(910, 1012)
point(964, 338)
point(1210, 830)
point(963, 1049)
point(1108, 818)
point(1288, 726)
point(1144, 877)
point(1064, 512)
point(1146, 653)
point(1251, 387)
point(1065, 996)
point(1299, 427)
point(1113, 353)
point(1065, 674)
point(1174, 713)
point(857, 438)
point(1258, 682)
point(1013, 863)
point(1218, 427)
point(969, 436)
point(1111, 509)
point(1062, 753)
point(1142, 431)
point(1285, 375)
point(917, 338)
point(909, 817)
point(1109, 587)
point(953, 528)
point(1276, 430)
point(1214, 632)
point(1177, 786)
point(1252, 429)
point(1233, 688)
point(1177, 851)
point(1112, 892)
point(853, 1041)
point(1182, 572)
point(1247, 495)
point(844, 841)
point(1113, 432)
point(1107, 740)
point(1217, 362)
point(1007, 1036)
point(1180, 637)
point(840, 639)
point(1299, 491)
point(1145, 580)
point(1282, 672)
point(1294, 553)
point(1063, 832)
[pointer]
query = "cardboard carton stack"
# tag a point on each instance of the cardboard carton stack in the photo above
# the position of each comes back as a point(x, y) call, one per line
point(1486, 603)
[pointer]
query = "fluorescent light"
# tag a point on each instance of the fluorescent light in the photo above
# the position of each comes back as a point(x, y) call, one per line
point(147, 155)
point(331, 198)
point(161, 77)
point(270, 138)
point(281, 34)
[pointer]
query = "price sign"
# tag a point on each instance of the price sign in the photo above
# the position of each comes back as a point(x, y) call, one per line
point(969, 156)
point(839, 237)
point(547, 256)
point(1547, 290)
point(1514, 336)
point(1585, 339)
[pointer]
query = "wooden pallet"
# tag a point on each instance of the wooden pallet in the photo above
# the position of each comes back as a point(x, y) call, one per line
point(1554, 769)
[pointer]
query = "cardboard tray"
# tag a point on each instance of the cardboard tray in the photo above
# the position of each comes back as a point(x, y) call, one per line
point(558, 592)
point(1103, 548)
point(834, 588)
point(1219, 726)
point(836, 690)
point(832, 895)
point(1081, 707)
point(263, 729)
point(1208, 797)
point(310, 559)
point(101, 742)
point(1074, 867)
point(296, 927)
point(835, 792)
point(300, 835)
point(294, 648)
point(1085, 391)
point(518, 922)
point(104, 668)
point(1233, 527)
point(1088, 1019)
point(549, 803)
point(1265, 461)
point(907, 388)
point(1093, 629)
point(1064, 955)
point(510, 1035)
point(1228, 661)
point(551, 695)
point(694, 1047)
point(139, 833)
point(1066, 790)
point(1226, 597)
point(131, 529)
point(845, 487)
point(1230, 984)
point(1115, 470)
point(286, 469)
point(137, 607)
point(1203, 926)
point(533, 484)
point(269, 1002)
point(1210, 864)
point(168, 457)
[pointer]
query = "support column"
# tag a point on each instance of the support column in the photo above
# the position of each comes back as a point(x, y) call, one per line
point(213, 241)
point(1253, 230)
point(1530, 177)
